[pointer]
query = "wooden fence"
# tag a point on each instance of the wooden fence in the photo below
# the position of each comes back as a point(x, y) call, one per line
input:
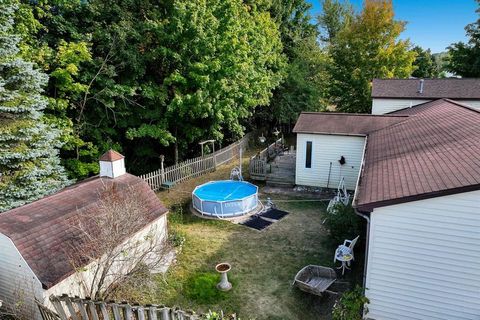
point(169, 176)
point(68, 308)
point(258, 163)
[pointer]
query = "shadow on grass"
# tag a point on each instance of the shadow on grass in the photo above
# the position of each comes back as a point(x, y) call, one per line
point(264, 263)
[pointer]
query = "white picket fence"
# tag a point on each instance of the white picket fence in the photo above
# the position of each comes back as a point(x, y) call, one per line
point(166, 177)
point(75, 308)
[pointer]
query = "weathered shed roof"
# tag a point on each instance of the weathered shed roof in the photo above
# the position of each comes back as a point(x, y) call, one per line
point(41, 229)
point(435, 152)
point(343, 123)
point(452, 88)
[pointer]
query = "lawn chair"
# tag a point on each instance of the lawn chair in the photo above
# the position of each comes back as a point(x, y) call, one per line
point(342, 196)
point(236, 173)
point(344, 254)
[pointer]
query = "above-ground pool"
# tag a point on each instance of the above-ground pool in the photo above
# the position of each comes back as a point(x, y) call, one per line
point(225, 198)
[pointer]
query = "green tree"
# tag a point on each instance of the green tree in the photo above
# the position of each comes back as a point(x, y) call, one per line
point(303, 87)
point(424, 64)
point(464, 58)
point(50, 40)
point(232, 68)
point(29, 163)
point(367, 47)
point(335, 16)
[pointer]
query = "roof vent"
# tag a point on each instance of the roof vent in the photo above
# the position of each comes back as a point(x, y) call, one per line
point(112, 164)
point(420, 86)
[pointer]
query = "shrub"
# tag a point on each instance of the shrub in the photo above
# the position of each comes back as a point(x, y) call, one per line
point(202, 288)
point(176, 238)
point(342, 223)
point(351, 305)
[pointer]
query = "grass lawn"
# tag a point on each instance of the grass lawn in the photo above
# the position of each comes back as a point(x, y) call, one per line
point(263, 264)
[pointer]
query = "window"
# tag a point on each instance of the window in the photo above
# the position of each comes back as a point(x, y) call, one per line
point(308, 160)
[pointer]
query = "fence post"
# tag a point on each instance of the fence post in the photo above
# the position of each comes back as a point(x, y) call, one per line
point(214, 157)
point(162, 170)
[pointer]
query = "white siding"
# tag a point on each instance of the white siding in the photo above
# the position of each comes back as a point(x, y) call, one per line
point(424, 259)
point(74, 284)
point(18, 284)
point(328, 149)
point(472, 103)
point(382, 106)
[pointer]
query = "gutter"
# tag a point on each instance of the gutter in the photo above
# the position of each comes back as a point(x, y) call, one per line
point(367, 241)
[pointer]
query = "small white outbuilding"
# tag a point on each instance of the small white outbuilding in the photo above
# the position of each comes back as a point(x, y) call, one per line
point(34, 261)
point(330, 146)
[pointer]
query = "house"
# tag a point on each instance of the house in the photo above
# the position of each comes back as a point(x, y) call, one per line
point(394, 94)
point(330, 146)
point(416, 176)
point(420, 190)
point(34, 260)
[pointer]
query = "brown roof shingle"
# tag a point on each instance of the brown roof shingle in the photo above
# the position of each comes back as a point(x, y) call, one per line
point(111, 155)
point(343, 123)
point(435, 152)
point(452, 88)
point(40, 229)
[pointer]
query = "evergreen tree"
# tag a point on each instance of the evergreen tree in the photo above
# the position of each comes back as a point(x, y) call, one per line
point(29, 163)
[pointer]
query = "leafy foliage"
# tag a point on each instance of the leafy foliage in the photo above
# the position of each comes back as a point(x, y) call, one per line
point(29, 163)
point(351, 305)
point(65, 54)
point(464, 58)
point(425, 64)
point(366, 47)
point(303, 87)
point(342, 223)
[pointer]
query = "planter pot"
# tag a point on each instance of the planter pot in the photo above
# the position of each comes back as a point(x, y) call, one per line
point(223, 268)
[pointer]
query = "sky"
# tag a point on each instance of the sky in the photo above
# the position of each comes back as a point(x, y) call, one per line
point(433, 24)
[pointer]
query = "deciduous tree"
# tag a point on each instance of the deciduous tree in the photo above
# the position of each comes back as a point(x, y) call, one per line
point(424, 64)
point(29, 163)
point(464, 58)
point(365, 48)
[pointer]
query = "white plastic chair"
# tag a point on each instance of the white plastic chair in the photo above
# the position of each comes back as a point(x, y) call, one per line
point(343, 250)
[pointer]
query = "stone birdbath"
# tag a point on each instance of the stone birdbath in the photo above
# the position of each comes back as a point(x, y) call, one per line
point(223, 268)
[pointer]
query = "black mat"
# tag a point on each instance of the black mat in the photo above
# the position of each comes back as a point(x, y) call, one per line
point(274, 214)
point(257, 223)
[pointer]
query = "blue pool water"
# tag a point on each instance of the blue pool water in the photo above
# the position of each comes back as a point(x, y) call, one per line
point(225, 198)
point(225, 190)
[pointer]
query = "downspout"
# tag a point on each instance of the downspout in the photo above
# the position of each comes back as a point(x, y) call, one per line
point(363, 215)
point(365, 263)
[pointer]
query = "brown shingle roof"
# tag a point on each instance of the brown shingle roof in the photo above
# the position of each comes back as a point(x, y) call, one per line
point(40, 230)
point(435, 152)
point(111, 155)
point(343, 123)
point(453, 88)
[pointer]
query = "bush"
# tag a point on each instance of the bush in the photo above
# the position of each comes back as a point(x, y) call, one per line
point(342, 223)
point(202, 288)
point(351, 305)
point(176, 238)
